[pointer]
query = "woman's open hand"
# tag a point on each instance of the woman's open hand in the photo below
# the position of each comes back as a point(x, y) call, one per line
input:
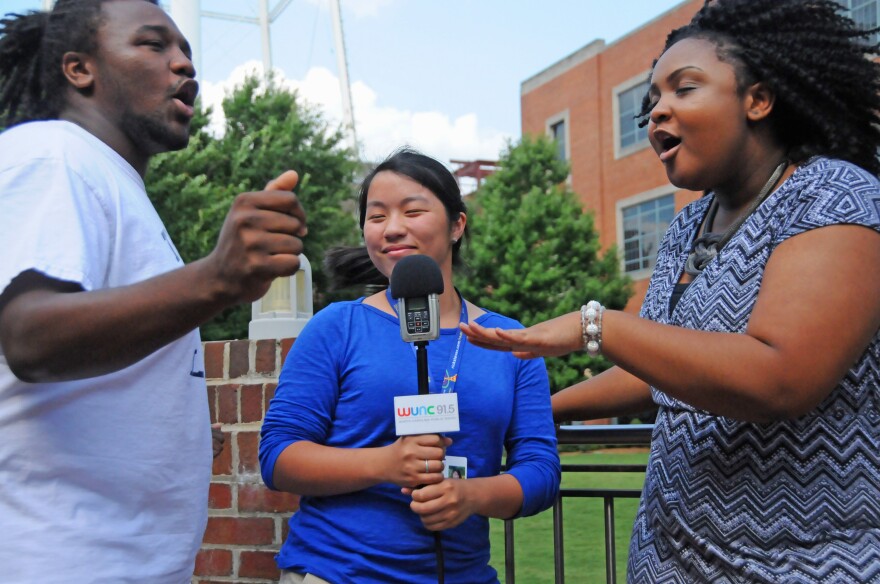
point(552, 338)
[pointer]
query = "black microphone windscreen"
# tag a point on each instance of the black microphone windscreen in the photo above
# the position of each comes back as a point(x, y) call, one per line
point(414, 276)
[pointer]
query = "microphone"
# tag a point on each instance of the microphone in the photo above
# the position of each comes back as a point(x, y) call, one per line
point(416, 282)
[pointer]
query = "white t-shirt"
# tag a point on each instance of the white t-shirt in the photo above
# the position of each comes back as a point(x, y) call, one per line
point(104, 479)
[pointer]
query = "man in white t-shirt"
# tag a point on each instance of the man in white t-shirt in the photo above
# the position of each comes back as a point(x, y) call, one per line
point(105, 442)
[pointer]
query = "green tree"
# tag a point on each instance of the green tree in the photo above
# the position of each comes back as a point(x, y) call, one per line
point(534, 252)
point(267, 131)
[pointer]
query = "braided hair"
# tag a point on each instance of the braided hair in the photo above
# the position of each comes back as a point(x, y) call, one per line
point(32, 46)
point(816, 62)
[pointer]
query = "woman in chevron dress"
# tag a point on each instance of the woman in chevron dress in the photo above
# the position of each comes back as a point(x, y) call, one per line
point(758, 337)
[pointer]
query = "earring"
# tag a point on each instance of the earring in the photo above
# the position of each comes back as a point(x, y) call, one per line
point(454, 241)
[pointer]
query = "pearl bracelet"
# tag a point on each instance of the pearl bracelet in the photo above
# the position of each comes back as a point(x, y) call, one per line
point(591, 326)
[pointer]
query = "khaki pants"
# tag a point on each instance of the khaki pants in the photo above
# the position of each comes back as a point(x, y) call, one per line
point(289, 577)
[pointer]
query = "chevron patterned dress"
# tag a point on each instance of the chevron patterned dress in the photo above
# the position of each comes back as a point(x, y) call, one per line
point(791, 501)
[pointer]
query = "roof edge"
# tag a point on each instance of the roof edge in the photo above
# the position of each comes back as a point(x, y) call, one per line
point(590, 50)
point(563, 65)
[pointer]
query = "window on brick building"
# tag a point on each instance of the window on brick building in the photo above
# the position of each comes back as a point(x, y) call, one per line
point(557, 129)
point(629, 104)
point(557, 132)
point(866, 13)
point(644, 224)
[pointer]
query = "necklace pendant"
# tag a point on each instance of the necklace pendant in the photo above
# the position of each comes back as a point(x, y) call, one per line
point(706, 246)
point(699, 259)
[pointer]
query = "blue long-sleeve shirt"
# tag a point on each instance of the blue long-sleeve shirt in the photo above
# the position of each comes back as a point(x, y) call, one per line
point(337, 388)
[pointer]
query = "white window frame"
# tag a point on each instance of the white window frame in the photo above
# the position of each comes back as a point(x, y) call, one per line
point(847, 5)
point(563, 117)
point(630, 83)
point(638, 199)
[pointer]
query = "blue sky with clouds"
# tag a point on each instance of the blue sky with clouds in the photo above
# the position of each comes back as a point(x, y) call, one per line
point(441, 75)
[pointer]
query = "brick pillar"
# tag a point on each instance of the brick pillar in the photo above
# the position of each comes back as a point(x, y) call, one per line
point(246, 521)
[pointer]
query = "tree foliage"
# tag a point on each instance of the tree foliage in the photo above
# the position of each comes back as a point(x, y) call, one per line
point(534, 252)
point(267, 131)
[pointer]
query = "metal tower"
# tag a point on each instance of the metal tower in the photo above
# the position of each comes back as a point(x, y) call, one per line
point(188, 14)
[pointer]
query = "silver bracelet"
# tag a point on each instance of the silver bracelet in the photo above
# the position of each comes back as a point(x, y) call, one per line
point(591, 327)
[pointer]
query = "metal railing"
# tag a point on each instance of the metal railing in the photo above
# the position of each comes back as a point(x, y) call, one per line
point(623, 435)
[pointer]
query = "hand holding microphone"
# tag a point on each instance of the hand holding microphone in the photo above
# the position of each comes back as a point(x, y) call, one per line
point(444, 504)
point(416, 282)
point(417, 460)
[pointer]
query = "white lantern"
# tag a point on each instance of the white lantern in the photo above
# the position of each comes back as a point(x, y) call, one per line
point(285, 308)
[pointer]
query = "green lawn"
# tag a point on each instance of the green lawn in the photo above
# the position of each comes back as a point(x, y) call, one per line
point(583, 523)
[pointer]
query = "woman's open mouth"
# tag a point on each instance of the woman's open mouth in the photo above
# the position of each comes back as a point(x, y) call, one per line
point(668, 147)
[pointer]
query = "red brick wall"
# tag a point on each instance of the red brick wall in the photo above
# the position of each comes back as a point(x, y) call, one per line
point(586, 90)
point(246, 521)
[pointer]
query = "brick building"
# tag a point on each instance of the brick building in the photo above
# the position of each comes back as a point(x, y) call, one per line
point(587, 101)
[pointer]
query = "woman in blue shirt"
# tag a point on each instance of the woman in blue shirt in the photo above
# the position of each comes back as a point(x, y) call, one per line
point(329, 433)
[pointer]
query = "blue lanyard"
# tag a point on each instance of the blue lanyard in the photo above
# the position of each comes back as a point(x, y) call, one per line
point(450, 376)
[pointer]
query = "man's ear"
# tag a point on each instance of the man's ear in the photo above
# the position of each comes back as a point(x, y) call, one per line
point(759, 101)
point(78, 69)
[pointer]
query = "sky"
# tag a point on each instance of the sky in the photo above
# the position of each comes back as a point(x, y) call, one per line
point(443, 76)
